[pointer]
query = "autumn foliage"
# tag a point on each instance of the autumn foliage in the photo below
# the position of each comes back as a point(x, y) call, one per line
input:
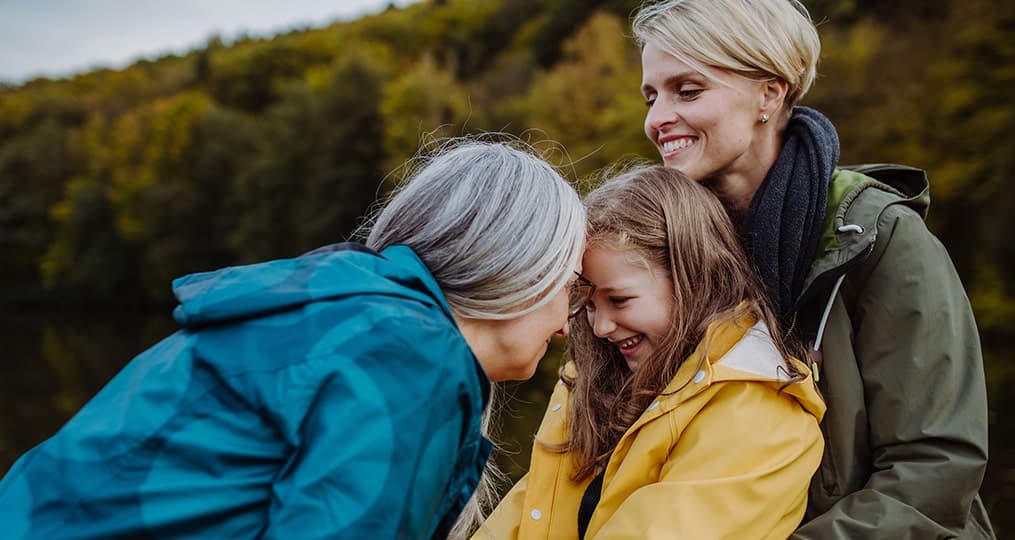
point(114, 182)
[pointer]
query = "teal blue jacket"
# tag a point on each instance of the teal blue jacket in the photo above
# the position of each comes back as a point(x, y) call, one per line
point(326, 396)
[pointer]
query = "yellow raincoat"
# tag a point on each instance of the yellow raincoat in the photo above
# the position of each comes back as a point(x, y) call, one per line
point(726, 456)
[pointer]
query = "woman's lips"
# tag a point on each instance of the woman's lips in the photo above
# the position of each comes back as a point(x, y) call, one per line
point(674, 146)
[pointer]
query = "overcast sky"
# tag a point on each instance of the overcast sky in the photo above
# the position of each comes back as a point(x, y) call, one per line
point(56, 38)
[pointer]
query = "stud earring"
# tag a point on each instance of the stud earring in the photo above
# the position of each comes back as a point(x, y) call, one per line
point(764, 118)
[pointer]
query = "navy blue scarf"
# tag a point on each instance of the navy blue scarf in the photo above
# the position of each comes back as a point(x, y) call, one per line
point(784, 223)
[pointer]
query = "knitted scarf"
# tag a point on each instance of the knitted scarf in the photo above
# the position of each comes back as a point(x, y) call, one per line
point(784, 222)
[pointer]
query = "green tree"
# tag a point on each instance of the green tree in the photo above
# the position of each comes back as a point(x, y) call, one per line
point(36, 129)
point(318, 164)
point(33, 167)
point(970, 116)
point(424, 101)
point(250, 78)
point(590, 101)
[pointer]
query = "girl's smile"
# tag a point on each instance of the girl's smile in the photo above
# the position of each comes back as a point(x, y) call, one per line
point(633, 303)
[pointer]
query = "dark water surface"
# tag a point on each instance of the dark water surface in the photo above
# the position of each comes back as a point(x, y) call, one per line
point(53, 363)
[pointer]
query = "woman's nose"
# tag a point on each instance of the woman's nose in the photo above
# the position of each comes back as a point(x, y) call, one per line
point(564, 331)
point(659, 115)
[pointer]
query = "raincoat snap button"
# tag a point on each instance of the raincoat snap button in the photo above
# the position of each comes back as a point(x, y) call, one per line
point(536, 514)
point(555, 408)
point(699, 376)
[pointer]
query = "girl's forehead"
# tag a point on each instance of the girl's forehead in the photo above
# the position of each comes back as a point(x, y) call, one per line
point(618, 263)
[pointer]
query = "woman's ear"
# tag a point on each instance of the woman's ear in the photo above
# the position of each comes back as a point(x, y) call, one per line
point(773, 95)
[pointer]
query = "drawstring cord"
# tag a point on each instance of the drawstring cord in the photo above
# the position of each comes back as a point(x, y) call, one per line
point(828, 307)
point(828, 311)
point(815, 368)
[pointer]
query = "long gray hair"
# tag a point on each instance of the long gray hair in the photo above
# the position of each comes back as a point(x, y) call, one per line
point(500, 230)
point(497, 227)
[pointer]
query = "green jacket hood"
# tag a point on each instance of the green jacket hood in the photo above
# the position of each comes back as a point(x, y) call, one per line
point(857, 197)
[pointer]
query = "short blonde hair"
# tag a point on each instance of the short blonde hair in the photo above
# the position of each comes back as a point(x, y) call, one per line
point(758, 39)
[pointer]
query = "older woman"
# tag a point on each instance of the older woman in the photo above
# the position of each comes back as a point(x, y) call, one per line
point(334, 395)
point(846, 259)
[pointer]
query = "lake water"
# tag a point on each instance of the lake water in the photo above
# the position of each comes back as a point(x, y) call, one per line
point(53, 363)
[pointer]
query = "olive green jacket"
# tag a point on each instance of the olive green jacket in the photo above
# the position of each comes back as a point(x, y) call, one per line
point(901, 370)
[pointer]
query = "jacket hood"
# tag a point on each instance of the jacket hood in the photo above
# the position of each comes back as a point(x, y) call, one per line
point(857, 196)
point(740, 350)
point(754, 357)
point(251, 291)
point(744, 351)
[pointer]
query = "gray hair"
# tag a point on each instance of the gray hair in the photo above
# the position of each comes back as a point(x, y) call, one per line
point(497, 227)
point(759, 39)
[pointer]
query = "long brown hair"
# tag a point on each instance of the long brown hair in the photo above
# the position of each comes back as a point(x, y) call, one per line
point(677, 225)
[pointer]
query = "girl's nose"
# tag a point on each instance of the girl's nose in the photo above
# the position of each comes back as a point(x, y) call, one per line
point(602, 326)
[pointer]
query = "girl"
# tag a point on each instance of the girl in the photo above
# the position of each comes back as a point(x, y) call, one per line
point(680, 414)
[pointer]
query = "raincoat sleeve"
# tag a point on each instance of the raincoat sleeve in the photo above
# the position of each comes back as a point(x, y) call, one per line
point(741, 466)
point(505, 520)
point(375, 450)
point(919, 357)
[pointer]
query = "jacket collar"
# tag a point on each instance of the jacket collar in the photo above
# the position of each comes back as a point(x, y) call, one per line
point(419, 276)
point(416, 274)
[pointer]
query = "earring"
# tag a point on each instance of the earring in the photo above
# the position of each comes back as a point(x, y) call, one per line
point(764, 118)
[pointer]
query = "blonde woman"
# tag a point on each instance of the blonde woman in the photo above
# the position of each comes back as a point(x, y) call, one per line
point(846, 260)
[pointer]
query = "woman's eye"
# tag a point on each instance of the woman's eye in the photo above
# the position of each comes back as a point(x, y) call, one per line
point(690, 93)
point(619, 300)
point(649, 101)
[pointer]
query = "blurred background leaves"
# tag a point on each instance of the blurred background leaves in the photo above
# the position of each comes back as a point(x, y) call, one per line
point(114, 182)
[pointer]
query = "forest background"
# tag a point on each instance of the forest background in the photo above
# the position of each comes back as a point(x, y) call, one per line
point(114, 182)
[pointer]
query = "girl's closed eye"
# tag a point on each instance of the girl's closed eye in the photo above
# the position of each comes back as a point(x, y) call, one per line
point(615, 301)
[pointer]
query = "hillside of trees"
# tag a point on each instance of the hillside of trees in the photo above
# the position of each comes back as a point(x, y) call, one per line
point(113, 182)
